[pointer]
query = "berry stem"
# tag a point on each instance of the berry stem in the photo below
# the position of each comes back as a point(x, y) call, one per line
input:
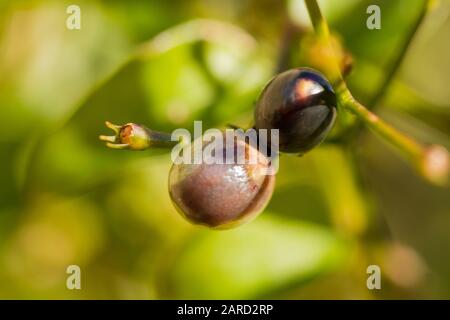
point(132, 136)
point(432, 162)
point(407, 145)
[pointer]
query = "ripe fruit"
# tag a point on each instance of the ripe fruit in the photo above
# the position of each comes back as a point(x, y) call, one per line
point(300, 103)
point(221, 195)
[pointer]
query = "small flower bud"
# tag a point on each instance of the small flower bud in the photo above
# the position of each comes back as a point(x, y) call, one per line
point(132, 136)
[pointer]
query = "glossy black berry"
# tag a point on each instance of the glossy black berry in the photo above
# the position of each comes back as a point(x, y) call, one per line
point(300, 103)
point(222, 195)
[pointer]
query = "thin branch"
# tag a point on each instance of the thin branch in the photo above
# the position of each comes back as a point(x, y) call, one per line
point(432, 162)
point(397, 62)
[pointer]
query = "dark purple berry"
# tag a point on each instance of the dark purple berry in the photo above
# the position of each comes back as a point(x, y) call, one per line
point(300, 103)
point(222, 195)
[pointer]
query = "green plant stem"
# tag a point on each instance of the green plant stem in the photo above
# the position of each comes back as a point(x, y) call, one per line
point(432, 162)
point(397, 62)
point(393, 68)
point(408, 146)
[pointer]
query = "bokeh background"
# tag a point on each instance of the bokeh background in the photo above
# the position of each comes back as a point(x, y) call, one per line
point(353, 202)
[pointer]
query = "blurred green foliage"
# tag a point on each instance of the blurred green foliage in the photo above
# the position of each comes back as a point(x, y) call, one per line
point(66, 199)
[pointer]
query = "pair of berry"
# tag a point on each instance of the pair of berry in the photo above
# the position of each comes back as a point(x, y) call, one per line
point(299, 103)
